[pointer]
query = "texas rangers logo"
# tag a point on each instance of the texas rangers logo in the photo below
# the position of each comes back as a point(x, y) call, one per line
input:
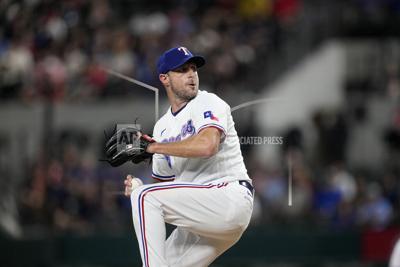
point(208, 114)
point(187, 129)
point(184, 50)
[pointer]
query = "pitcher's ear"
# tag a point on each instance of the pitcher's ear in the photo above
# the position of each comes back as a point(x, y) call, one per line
point(164, 79)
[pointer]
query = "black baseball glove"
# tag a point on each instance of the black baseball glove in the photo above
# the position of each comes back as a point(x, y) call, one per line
point(126, 144)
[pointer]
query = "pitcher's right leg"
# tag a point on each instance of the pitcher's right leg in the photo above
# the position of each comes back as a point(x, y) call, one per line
point(149, 226)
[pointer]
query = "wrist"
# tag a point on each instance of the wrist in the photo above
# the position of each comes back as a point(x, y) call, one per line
point(151, 148)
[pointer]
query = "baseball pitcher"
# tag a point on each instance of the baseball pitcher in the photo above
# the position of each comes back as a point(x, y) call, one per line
point(205, 190)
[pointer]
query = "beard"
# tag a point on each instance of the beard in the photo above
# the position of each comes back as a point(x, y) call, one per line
point(184, 94)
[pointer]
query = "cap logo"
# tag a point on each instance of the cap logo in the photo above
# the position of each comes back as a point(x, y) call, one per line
point(184, 50)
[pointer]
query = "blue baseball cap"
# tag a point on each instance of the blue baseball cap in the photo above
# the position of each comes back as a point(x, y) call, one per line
point(176, 57)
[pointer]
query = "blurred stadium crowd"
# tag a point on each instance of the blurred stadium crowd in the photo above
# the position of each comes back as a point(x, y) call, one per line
point(53, 51)
point(57, 48)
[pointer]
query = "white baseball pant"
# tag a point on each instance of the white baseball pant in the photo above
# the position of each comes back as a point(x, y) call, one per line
point(209, 219)
point(395, 257)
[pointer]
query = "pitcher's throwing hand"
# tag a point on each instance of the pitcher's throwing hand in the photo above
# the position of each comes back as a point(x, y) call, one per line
point(131, 183)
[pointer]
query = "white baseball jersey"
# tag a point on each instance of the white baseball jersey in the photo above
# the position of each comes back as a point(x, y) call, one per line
point(205, 110)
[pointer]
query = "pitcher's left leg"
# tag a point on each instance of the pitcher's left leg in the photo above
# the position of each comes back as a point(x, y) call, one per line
point(186, 249)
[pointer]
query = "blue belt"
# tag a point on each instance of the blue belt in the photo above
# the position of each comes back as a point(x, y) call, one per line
point(247, 185)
